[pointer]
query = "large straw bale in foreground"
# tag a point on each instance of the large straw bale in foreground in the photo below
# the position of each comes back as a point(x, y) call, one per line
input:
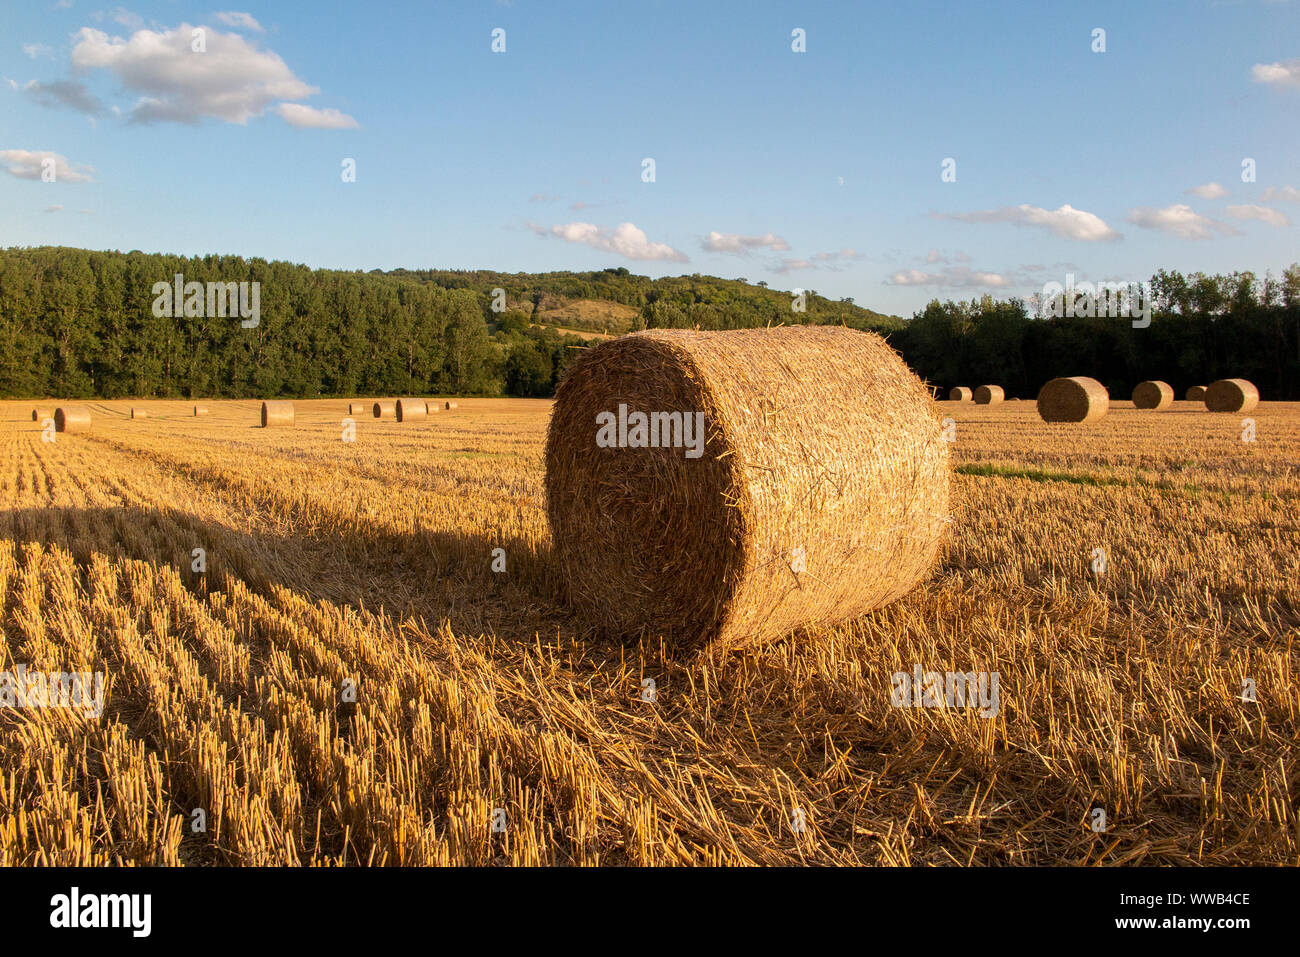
point(1154, 395)
point(1231, 395)
point(276, 413)
point(816, 492)
point(1073, 399)
point(71, 418)
point(411, 409)
point(959, 393)
point(989, 395)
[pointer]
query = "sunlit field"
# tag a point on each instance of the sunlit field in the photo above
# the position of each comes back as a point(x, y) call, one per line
point(347, 680)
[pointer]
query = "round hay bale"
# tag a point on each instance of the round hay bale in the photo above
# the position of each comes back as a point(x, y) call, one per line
point(1153, 394)
point(385, 409)
point(453, 405)
point(40, 414)
point(200, 410)
point(72, 418)
point(959, 394)
point(357, 408)
point(431, 406)
point(139, 413)
point(1195, 394)
point(411, 409)
point(989, 395)
point(1231, 395)
point(1073, 399)
point(779, 478)
point(276, 413)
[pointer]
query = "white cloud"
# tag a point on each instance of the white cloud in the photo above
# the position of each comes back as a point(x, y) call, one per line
point(1064, 221)
point(626, 240)
point(717, 242)
point(35, 50)
point(241, 21)
point(13, 84)
point(792, 265)
point(949, 276)
point(1287, 194)
point(1208, 191)
point(56, 208)
point(308, 117)
point(934, 256)
point(27, 164)
point(69, 93)
point(132, 21)
point(1284, 73)
point(1262, 213)
point(231, 81)
point(1178, 220)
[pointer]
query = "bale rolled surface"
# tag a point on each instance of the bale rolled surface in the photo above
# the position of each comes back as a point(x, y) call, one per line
point(40, 414)
point(385, 409)
point(139, 414)
point(409, 410)
point(431, 406)
point(989, 395)
point(1073, 399)
point(72, 418)
point(1231, 395)
point(276, 413)
point(200, 410)
point(782, 478)
point(1195, 394)
point(959, 394)
point(1153, 394)
point(453, 405)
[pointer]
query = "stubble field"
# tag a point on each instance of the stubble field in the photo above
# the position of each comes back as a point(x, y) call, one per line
point(489, 726)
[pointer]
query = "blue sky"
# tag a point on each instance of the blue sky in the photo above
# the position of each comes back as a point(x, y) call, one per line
point(819, 169)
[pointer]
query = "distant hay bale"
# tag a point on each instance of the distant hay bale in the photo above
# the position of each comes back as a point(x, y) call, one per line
point(989, 395)
point(385, 409)
point(1073, 399)
point(1231, 395)
point(778, 478)
point(72, 418)
point(959, 394)
point(358, 408)
point(1153, 394)
point(275, 413)
point(200, 410)
point(40, 414)
point(408, 410)
point(431, 406)
point(453, 405)
point(139, 413)
point(1195, 394)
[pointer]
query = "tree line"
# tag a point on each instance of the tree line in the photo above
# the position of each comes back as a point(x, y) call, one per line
point(79, 323)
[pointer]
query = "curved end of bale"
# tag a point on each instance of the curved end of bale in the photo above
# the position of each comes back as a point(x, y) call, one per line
point(1154, 395)
point(960, 394)
point(276, 413)
point(411, 409)
point(989, 395)
point(680, 498)
point(1195, 394)
point(1073, 399)
point(1231, 395)
point(72, 418)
